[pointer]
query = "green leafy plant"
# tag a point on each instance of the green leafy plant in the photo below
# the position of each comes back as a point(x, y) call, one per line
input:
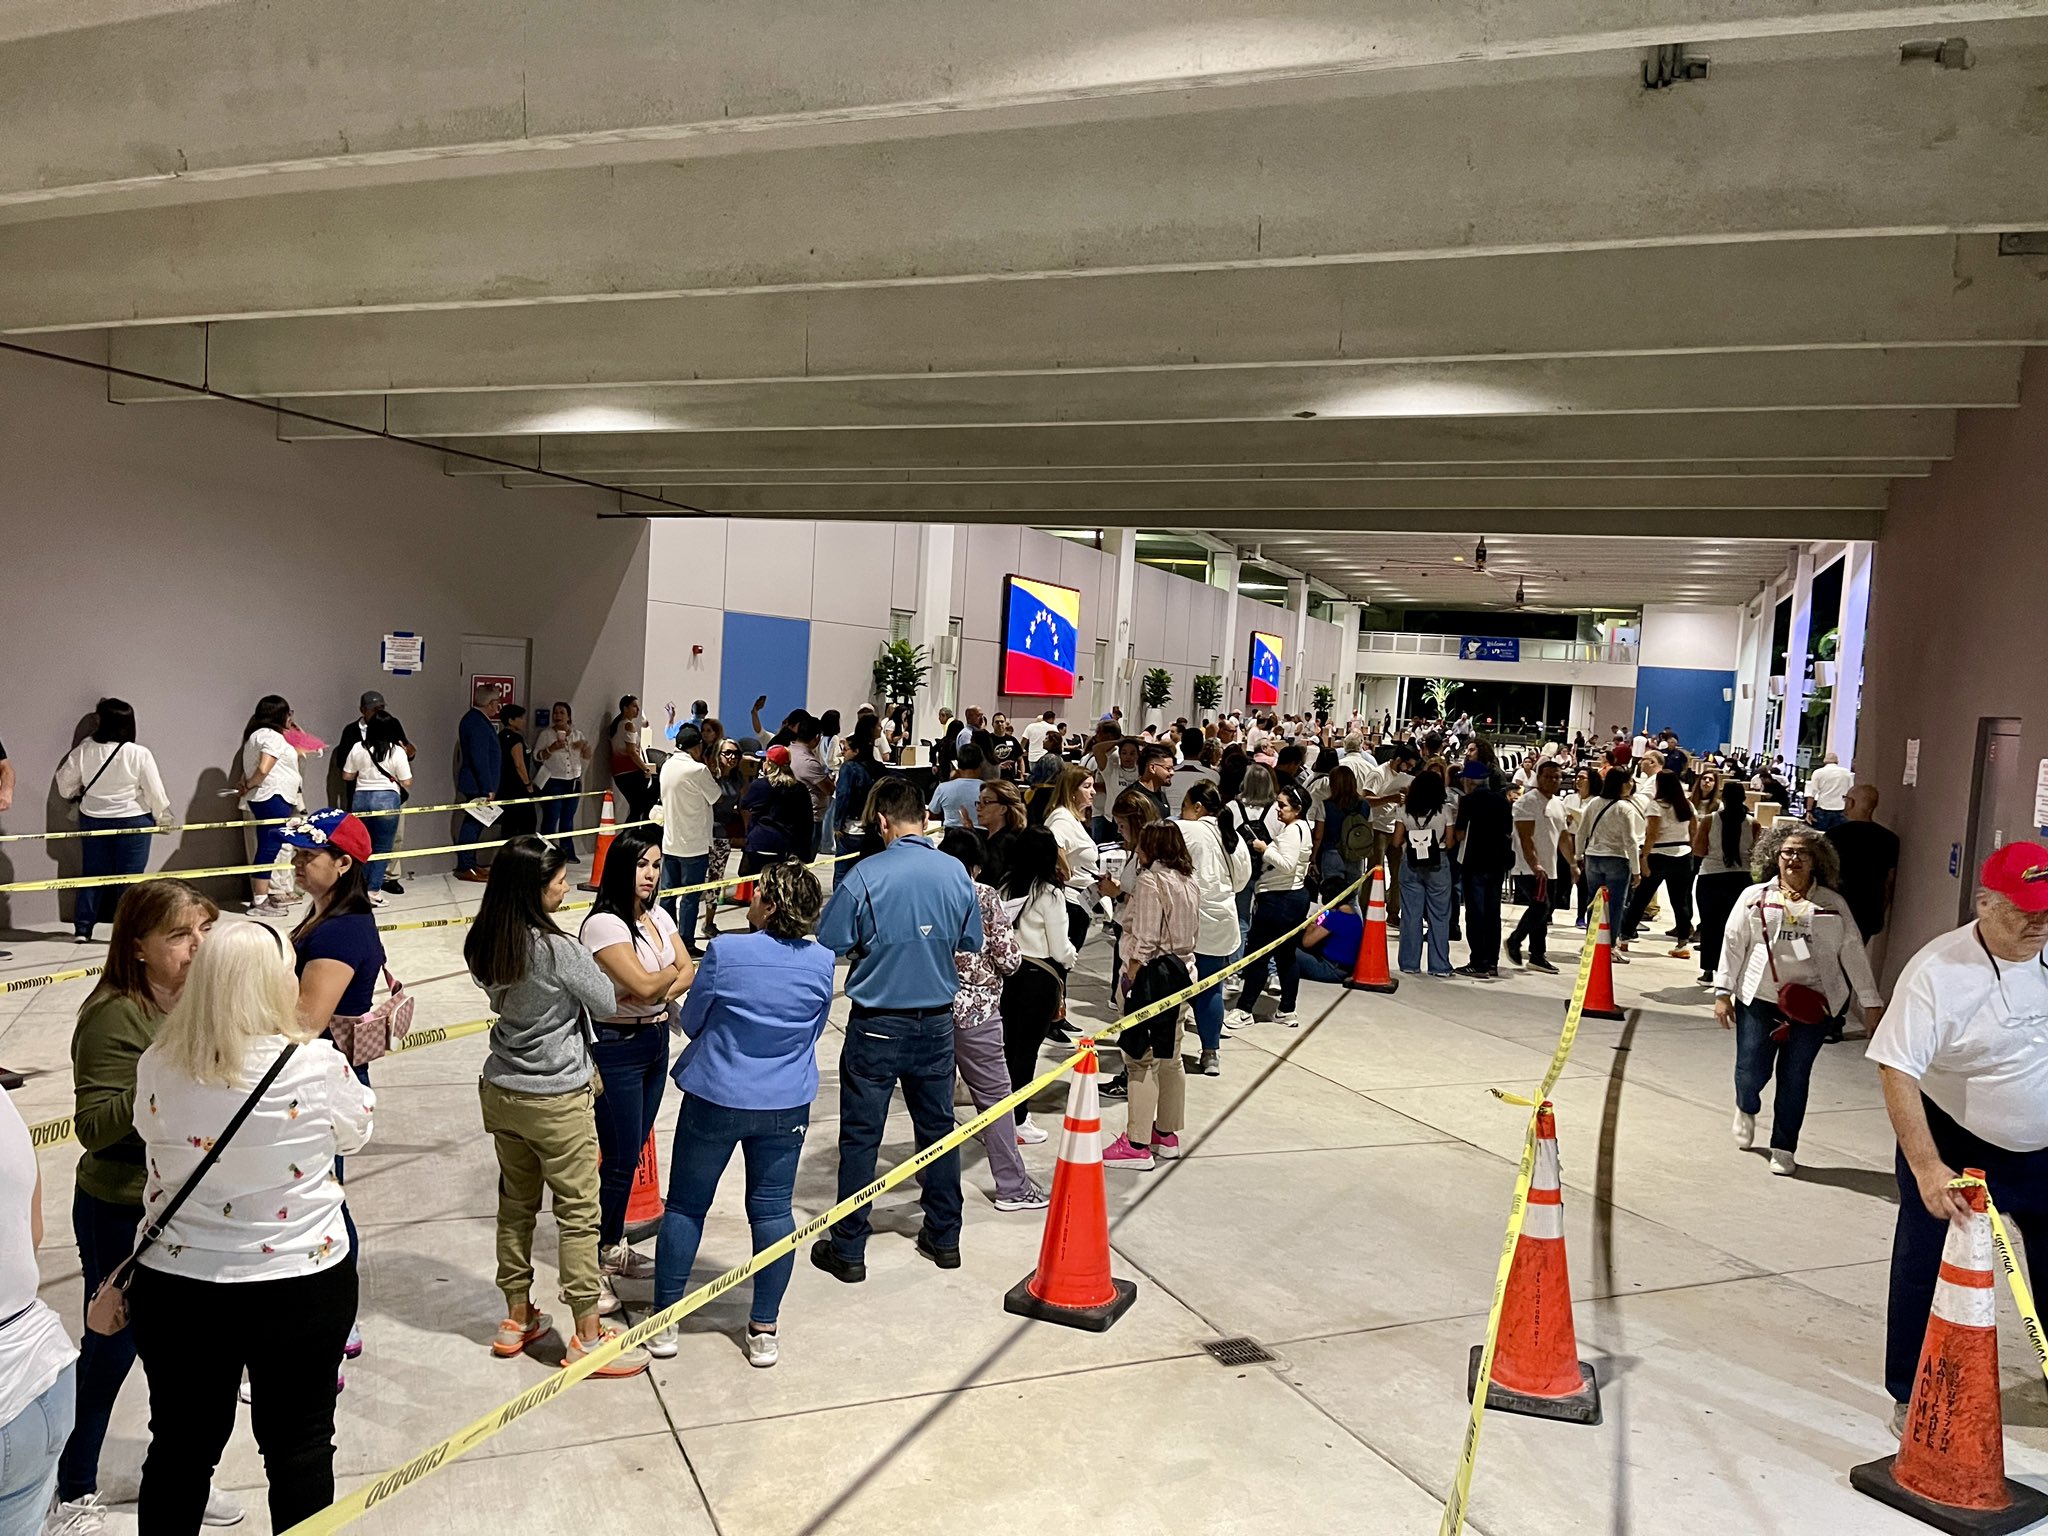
point(1326, 697)
point(900, 671)
point(1157, 688)
point(1440, 691)
point(1208, 691)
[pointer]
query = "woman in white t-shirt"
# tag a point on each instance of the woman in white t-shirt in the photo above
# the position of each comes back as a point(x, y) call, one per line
point(380, 771)
point(1281, 907)
point(270, 789)
point(636, 944)
point(113, 780)
point(256, 1270)
point(1611, 845)
point(1073, 804)
point(1424, 834)
point(38, 1366)
point(562, 753)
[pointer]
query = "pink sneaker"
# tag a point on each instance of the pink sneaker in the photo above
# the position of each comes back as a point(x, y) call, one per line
point(1165, 1145)
point(1121, 1154)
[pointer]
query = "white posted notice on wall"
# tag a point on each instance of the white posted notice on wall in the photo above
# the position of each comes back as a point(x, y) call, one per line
point(1912, 760)
point(404, 653)
point(2041, 798)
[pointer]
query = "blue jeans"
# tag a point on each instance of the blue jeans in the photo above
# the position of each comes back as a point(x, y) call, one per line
point(268, 839)
point(29, 1445)
point(881, 1050)
point(677, 870)
point(106, 1235)
point(558, 810)
point(1611, 875)
point(383, 830)
point(1208, 1003)
point(1310, 966)
point(634, 1065)
point(1757, 1055)
point(771, 1141)
point(1426, 901)
point(107, 856)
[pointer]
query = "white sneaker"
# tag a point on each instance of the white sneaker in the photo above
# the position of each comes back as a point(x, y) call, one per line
point(1238, 1018)
point(663, 1345)
point(76, 1517)
point(1288, 1017)
point(625, 1262)
point(1782, 1162)
point(1030, 1134)
point(1745, 1131)
point(1033, 1199)
point(376, 898)
point(762, 1350)
point(242, 1392)
point(220, 1509)
point(1899, 1420)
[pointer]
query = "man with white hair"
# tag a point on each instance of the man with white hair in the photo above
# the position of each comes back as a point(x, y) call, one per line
point(1963, 1050)
point(1827, 794)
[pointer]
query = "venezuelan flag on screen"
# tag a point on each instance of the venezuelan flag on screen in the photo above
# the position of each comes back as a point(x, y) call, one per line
point(1264, 686)
point(1041, 638)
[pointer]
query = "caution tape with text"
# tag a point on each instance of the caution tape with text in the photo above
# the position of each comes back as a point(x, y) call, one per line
point(71, 834)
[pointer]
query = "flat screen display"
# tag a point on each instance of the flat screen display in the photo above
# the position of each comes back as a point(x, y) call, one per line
point(1041, 638)
point(1263, 689)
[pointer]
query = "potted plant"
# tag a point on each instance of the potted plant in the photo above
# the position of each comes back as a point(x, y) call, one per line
point(1155, 692)
point(1440, 691)
point(1326, 698)
point(1208, 691)
point(900, 672)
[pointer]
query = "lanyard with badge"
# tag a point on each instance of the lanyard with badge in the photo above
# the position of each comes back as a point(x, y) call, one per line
point(2036, 1019)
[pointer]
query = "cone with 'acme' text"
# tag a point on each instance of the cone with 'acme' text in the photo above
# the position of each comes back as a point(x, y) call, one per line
point(606, 820)
point(1950, 1469)
point(1536, 1366)
point(1600, 985)
point(1369, 972)
point(645, 1206)
point(1072, 1284)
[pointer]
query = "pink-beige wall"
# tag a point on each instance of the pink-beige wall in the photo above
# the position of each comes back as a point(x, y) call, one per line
point(180, 557)
point(1958, 632)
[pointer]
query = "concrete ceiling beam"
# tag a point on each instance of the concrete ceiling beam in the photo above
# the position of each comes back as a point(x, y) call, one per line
point(101, 116)
point(1725, 381)
point(1933, 290)
point(1787, 138)
point(1879, 437)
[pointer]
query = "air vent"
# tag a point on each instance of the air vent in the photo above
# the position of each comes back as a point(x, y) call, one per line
point(1239, 1352)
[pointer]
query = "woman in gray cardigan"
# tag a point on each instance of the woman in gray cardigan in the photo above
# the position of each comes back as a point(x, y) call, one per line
point(538, 1099)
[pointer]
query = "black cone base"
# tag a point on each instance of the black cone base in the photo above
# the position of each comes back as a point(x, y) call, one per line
point(1582, 1407)
point(1372, 986)
point(2028, 1505)
point(1019, 1301)
point(1602, 1013)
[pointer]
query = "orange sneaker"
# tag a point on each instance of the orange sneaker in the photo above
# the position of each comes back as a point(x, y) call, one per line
point(631, 1363)
point(514, 1336)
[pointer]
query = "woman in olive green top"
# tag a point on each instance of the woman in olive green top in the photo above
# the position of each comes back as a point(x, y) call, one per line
point(157, 930)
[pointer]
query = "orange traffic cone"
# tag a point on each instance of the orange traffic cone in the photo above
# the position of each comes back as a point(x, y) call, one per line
point(743, 893)
point(1600, 985)
point(1950, 1469)
point(1072, 1284)
point(606, 820)
point(1369, 973)
point(644, 1207)
point(1536, 1366)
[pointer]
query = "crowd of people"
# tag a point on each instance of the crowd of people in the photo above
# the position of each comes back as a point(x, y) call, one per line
point(960, 907)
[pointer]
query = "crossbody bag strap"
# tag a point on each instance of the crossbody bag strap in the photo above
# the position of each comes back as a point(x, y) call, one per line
point(119, 748)
point(155, 1228)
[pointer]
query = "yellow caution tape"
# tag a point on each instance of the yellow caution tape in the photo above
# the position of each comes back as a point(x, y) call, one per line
point(2022, 1294)
point(30, 983)
point(1461, 1487)
point(345, 1511)
point(274, 821)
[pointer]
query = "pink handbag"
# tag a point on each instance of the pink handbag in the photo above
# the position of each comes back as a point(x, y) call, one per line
point(365, 1037)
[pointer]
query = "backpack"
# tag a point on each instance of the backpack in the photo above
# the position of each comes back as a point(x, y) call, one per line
point(1354, 837)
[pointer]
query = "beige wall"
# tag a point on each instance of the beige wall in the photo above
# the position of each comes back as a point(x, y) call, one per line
point(1958, 631)
point(181, 557)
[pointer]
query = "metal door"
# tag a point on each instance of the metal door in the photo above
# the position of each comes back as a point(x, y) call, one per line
point(2001, 803)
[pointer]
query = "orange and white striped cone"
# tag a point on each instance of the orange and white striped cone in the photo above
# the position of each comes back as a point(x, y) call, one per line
point(645, 1206)
point(1072, 1284)
point(1536, 1365)
point(1600, 985)
point(1369, 972)
point(1950, 1469)
point(606, 820)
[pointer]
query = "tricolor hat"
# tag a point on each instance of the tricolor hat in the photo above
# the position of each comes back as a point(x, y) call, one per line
point(2019, 873)
point(335, 831)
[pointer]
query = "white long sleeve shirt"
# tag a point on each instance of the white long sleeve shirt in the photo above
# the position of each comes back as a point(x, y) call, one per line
point(1219, 876)
point(1084, 865)
point(1039, 924)
point(130, 786)
point(1286, 860)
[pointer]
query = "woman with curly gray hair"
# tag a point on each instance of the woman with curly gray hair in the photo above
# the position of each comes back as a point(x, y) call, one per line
point(1791, 960)
point(749, 1076)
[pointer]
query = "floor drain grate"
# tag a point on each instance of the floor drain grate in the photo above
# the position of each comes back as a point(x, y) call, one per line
point(1239, 1352)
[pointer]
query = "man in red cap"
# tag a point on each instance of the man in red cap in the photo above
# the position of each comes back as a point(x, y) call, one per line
point(1964, 1053)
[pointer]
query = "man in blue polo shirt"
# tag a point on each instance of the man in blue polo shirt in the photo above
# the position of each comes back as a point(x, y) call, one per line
point(899, 916)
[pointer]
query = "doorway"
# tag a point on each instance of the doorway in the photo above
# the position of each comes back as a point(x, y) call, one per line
point(2000, 803)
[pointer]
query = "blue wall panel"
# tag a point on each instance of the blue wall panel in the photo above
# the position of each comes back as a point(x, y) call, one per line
point(1689, 701)
point(762, 655)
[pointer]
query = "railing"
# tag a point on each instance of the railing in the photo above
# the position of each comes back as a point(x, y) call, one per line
point(1397, 642)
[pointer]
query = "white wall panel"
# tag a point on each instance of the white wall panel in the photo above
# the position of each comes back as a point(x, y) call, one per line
point(672, 674)
point(1701, 639)
point(768, 564)
point(903, 585)
point(853, 568)
point(843, 665)
point(686, 560)
point(992, 554)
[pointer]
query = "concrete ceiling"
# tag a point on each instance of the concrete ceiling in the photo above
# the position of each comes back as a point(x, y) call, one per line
point(1361, 283)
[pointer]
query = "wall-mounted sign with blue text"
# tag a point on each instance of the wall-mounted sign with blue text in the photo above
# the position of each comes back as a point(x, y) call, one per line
point(1488, 648)
point(404, 653)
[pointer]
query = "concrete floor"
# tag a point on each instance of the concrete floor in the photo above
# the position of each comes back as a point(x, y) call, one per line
point(1342, 1202)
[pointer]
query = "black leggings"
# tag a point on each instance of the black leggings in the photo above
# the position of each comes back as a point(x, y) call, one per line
point(1718, 895)
point(1031, 1003)
point(194, 1338)
point(1674, 873)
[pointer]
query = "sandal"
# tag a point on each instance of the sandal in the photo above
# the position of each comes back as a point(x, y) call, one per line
point(513, 1336)
point(631, 1363)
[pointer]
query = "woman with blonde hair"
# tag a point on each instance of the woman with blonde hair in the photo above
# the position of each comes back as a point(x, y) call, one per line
point(246, 1263)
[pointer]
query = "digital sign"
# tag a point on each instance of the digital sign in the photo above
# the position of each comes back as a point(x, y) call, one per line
point(1041, 638)
point(1263, 690)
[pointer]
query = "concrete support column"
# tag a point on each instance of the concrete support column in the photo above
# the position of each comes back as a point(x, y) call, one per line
point(1584, 706)
point(1760, 670)
point(1295, 697)
point(932, 627)
point(1345, 617)
point(1122, 543)
point(1849, 655)
point(1745, 669)
point(1796, 643)
point(1224, 573)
